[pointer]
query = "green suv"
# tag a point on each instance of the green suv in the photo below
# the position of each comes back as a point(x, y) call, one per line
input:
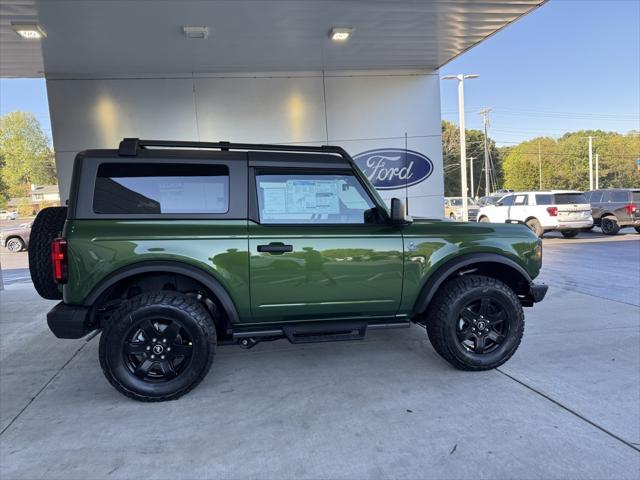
point(172, 249)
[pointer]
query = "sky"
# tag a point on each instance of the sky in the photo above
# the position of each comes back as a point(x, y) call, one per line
point(567, 66)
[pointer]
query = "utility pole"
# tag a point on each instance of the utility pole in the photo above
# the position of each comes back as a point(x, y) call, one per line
point(485, 120)
point(540, 164)
point(473, 192)
point(590, 162)
point(597, 168)
point(463, 141)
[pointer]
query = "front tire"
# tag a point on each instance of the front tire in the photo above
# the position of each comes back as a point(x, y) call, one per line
point(157, 346)
point(535, 227)
point(475, 322)
point(484, 220)
point(569, 233)
point(609, 225)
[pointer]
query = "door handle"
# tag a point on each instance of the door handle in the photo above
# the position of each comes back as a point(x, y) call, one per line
point(275, 248)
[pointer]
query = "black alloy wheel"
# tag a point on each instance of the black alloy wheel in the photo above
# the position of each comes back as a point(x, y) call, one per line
point(481, 327)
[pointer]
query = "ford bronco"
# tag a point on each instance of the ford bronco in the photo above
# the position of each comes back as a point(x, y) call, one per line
point(172, 249)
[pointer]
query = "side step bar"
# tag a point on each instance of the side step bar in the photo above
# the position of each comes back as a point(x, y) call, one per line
point(314, 332)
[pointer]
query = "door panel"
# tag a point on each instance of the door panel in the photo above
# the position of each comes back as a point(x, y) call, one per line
point(330, 271)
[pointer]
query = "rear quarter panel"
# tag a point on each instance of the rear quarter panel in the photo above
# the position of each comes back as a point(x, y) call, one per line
point(97, 248)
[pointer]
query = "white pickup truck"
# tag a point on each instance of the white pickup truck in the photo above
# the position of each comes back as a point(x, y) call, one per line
point(568, 211)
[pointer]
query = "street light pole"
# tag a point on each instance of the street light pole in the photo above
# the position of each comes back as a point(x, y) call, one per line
point(463, 141)
point(597, 168)
point(590, 162)
point(471, 159)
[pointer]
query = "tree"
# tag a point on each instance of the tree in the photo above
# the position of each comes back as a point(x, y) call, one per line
point(25, 154)
point(451, 159)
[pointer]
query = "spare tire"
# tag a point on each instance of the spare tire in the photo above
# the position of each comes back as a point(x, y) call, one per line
point(47, 226)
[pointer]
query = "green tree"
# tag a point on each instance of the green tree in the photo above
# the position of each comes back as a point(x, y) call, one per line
point(25, 154)
point(451, 159)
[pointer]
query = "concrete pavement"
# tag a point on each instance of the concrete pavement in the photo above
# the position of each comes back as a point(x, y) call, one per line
point(567, 405)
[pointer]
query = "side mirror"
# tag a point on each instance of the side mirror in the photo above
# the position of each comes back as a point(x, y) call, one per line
point(399, 212)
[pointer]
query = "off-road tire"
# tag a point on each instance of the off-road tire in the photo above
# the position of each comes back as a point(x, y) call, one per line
point(609, 225)
point(47, 226)
point(535, 227)
point(444, 314)
point(166, 304)
point(15, 244)
point(569, 233)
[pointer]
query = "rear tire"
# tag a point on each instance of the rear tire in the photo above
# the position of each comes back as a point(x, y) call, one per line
point(157, 346)
point(569, 233)
point(47, 226)
point(15, 245)
point(609, 225)
point(475, 322)
point(637, 229)
point(535, 227)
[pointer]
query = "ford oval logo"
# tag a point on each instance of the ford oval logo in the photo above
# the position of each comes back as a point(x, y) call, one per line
point(390, 168)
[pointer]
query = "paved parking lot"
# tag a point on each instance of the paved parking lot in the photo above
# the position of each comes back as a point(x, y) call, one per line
point(566, 405)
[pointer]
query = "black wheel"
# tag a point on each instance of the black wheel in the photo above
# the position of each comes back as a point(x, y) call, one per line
point(535, 227)
point(47, 226)
point(569, 233)
point(484, 220)
point(157, 346)
point(475, 322)
point(15, 245)
point(609, 225)
point(637, 229)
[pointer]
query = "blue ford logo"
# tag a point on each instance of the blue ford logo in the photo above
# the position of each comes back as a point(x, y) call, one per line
point(390, 168)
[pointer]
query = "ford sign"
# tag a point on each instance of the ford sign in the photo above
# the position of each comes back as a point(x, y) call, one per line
point(391, 168)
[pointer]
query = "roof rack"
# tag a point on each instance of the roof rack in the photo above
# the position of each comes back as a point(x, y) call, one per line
point(129, 147)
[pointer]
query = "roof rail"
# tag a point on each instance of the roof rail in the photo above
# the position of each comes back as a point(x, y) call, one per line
point(129, 147)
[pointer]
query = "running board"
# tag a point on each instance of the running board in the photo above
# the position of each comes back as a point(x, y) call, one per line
point(314, 332)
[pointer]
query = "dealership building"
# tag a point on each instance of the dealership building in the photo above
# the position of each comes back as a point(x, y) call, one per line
point(362, 75)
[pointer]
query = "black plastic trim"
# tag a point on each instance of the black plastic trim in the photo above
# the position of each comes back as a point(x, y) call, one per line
point(69, 321)
point(167, 267)
point(450, 267)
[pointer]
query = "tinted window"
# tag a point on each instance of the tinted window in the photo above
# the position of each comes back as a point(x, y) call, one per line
point(544, 199)
point(508, 200)
point(521, 200)
point(595, 197)
point(137, 188)
point(619, 196)
point(312, 198)
point(566, 198)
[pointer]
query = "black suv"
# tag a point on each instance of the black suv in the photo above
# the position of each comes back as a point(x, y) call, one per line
point(615, 208)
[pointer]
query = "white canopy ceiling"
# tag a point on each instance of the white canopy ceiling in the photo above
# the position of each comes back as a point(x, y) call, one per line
point(100, 37)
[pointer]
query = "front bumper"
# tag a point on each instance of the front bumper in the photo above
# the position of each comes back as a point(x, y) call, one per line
point(536, 293)
point(69, 321)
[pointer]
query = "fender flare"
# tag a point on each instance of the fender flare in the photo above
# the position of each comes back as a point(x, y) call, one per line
point(443, 272)
point(180, 268)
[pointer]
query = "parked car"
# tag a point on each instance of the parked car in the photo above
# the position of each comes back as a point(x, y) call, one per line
point(489, 200)
point(615, 208)
point(567, 211)
point(7, 215)
point(172, 251)
point(453, 209)
point(16, 239)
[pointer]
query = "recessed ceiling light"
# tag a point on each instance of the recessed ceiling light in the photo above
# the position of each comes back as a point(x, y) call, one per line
point(340, 34)
point(29, 30)
point(201, 33)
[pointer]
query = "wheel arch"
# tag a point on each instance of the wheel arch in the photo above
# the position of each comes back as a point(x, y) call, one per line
point(11, 237)
point(489, 264)
point(127, 274)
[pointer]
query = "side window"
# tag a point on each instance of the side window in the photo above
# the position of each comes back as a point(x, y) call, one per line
point(311, 199)
point(619, 196)
point(144, 188)
point(596, 197)
point(521, 200)
point(544, 199)
point(507, 201)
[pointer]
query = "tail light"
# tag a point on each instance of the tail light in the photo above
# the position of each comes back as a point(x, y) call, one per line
point(630, 208)
point(553, 211)
point(59, 260)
